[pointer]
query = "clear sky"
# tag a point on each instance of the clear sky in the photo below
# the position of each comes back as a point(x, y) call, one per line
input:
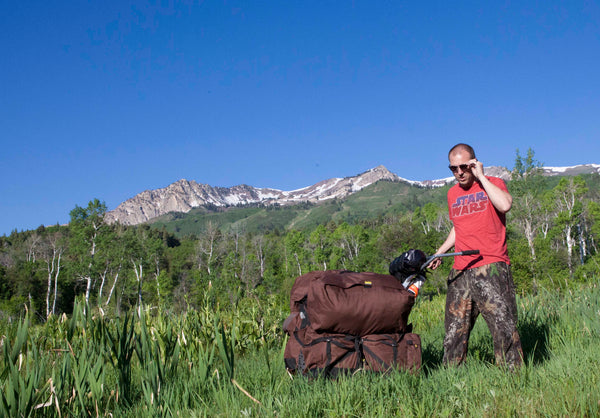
point(106, 99)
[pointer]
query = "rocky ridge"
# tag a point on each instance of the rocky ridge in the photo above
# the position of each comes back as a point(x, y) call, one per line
point(184, 195)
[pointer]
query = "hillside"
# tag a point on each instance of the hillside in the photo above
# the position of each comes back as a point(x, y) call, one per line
point(183, 196)
point(186, 196)
point(378, 199)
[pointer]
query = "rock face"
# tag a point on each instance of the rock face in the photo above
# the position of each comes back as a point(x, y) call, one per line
point(184, 195)
point(573, 170)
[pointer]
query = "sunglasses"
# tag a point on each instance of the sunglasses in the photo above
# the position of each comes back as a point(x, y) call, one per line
point(463, 167)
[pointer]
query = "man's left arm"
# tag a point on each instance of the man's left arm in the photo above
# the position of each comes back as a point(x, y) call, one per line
point(501, 199)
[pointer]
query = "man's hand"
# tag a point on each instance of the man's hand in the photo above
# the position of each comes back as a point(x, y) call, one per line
point(435, 263)
point(476, 168)
point(501, 199)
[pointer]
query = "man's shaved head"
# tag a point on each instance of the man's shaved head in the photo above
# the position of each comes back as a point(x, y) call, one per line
point(462, 147)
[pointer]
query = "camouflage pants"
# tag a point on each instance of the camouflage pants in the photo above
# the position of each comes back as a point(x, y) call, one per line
point(488, 290)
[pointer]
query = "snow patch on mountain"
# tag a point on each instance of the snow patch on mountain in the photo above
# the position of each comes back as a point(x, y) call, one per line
point(184, 195)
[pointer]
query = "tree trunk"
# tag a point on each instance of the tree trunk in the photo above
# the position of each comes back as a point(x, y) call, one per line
point(157, 281)
point(529, 234)
point(112, 288)
point(49, 291)
point(56, 285)
point(582, 244)
point(570, 241)
point(88, 288)
point(139, 276)
point(260, 256)
point(88, 278)
point(298, 262)
point(100, 290)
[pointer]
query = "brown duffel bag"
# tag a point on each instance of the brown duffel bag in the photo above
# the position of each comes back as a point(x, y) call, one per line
point(332, 310)
point(310, 353)
point(322, 354)
point(353, 303)
point(293, 355)
point(385, 352)
point(300, 289)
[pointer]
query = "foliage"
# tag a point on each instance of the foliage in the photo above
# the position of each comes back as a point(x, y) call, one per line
point(195, 364)
point(553, 231)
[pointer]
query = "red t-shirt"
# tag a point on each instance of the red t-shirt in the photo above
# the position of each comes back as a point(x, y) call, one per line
point(478, 225)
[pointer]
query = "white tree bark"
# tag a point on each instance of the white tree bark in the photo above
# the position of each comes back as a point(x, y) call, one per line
point(102, 281)
point(88, 277)
point(32, 246)
point(112, 288)
point(139, 274)
point(157, 274)
point(207, 244)
point(49, 291)
point(53, 311)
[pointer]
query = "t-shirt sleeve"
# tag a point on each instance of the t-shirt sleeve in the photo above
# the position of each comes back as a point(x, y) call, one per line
point(498, 182)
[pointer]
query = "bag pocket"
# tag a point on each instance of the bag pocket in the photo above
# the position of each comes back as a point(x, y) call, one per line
point(384, 352)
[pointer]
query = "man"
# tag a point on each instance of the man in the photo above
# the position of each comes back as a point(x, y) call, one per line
point(479, 283)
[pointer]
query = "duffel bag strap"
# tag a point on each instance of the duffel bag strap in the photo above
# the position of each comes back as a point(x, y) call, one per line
point(390, 342)
point(349, 338)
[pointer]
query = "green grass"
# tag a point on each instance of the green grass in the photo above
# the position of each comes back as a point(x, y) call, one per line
point(560, 376)
point(229, 363)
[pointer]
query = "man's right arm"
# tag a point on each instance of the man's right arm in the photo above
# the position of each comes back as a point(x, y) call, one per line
point(449, 243)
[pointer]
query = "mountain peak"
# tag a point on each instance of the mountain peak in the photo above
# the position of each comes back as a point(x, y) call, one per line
point(380, 168)
point(183, 195)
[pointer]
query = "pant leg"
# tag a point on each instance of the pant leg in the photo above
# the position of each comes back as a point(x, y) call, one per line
point(459, 319)
point(494, 293)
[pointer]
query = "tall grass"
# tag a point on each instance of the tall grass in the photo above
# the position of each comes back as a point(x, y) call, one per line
point(216, 362)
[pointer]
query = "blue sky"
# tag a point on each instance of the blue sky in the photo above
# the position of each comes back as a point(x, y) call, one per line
point(106, 99)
